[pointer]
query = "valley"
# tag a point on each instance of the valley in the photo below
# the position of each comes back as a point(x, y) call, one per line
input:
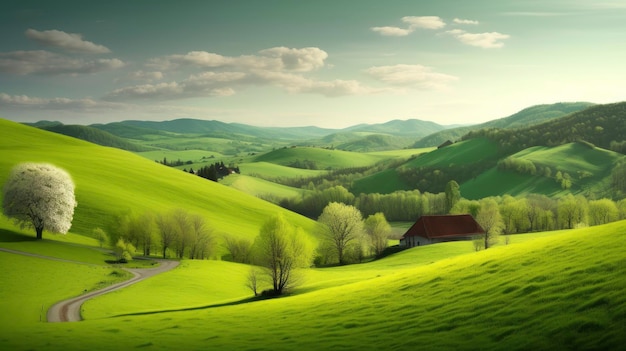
point(558, 197)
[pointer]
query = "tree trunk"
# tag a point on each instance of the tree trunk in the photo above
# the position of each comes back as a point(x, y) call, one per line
point(39, 231)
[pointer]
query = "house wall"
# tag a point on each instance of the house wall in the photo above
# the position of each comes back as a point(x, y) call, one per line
point(412, 241)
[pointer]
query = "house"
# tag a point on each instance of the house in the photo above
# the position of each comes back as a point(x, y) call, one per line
point(446, 143)
point(437, 229)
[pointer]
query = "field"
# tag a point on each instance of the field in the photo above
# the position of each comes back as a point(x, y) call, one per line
point(589, 168)
point(461, 153)
point(513, 297)
point(323, 158)
point(110, 182)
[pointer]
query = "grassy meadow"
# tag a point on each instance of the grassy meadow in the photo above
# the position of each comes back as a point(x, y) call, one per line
point(589, 168)
point(561, 290)
point(110, 182)
point(323, 158)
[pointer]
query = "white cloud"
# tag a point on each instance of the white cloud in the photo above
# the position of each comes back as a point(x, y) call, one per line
point(488, 40)
point(425, 22)
point(204, 84)
point(295, 83)
point(71, 42)
point(58, 103)
point(392, 31)
point(416, 76)
point(146, 76)
point(275, 59)
point(464, 21)
point(48, 63)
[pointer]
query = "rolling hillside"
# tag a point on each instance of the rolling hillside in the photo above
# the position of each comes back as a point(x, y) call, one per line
point(461, 154)
point(527, 117)
point(96, 136)
point(589, 168)
point(561, 291)
point(111, 181)
point(320, 158)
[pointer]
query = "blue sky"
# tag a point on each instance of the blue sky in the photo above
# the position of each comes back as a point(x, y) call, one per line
point(296, 63)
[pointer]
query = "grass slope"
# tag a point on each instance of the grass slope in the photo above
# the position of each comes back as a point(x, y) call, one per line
point(323, 158)
point(110, 181)
point(575, 159)
point(259, 187)
point(564, 291)
point(461, 153)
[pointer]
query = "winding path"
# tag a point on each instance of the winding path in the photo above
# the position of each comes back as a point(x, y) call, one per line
point(69, 310)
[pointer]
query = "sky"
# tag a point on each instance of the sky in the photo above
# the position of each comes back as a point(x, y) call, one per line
point(327, 63)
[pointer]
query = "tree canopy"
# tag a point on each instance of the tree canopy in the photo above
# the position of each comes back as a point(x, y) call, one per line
point(40, 196)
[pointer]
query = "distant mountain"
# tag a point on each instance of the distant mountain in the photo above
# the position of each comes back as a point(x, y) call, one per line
point(217, 128)
point(411, 127)
point(525, 118)
point(92, 135)
point(375, 142)
point(600, 125)
point(44, 124)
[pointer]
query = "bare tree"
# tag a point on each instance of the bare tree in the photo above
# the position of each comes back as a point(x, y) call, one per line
point(378, 230)
point(201, 238)
point(342, 225)
point(182, 225)
point(254, 278)
point(101, 236)
point(41, 196)
point(167, 232)
point(281, 249)
point(489, 218)
point(238, 248)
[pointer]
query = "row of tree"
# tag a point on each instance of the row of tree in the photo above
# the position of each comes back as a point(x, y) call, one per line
point(176, 233)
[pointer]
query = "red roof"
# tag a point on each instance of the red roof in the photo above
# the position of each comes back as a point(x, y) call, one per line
point(445, 226)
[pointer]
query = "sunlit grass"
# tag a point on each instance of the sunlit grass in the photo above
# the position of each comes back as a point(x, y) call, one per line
point(110, 182)
point(561, 291)
point(589, 169)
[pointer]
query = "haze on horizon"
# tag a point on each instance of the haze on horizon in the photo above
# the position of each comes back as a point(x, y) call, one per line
point(325, 63)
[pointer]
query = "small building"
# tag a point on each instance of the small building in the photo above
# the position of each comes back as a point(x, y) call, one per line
point(436, 229)
point(446, 143)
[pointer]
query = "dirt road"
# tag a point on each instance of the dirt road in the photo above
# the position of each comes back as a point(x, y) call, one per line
point(69, 310)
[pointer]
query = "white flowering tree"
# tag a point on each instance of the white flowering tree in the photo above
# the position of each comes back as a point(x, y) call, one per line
point(40, 196)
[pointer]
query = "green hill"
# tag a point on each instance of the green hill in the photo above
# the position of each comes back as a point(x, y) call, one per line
point(436, 166)
point(589, 169)
point(601, 125)
point(96, 136)
point(111, 181)
point(318, 158)
point(527, 117)
point(562, 291)
point(414, 128)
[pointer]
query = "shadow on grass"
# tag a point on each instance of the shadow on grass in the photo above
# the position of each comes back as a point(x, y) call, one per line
point(232, 303)
point(9, 236)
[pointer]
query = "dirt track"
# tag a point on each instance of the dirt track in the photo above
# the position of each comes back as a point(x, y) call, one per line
point(69, 310)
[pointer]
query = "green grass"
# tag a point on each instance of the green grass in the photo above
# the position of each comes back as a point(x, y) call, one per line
point(272, 170)
point(574, 159)
point(260, 187)
point(402, 153)
point(384, 182)
point(31, 285)
point(565, 290)
point(323, 158)
point(110, 181)
point(461, 153)
point(195, 156)
point(197, 284)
